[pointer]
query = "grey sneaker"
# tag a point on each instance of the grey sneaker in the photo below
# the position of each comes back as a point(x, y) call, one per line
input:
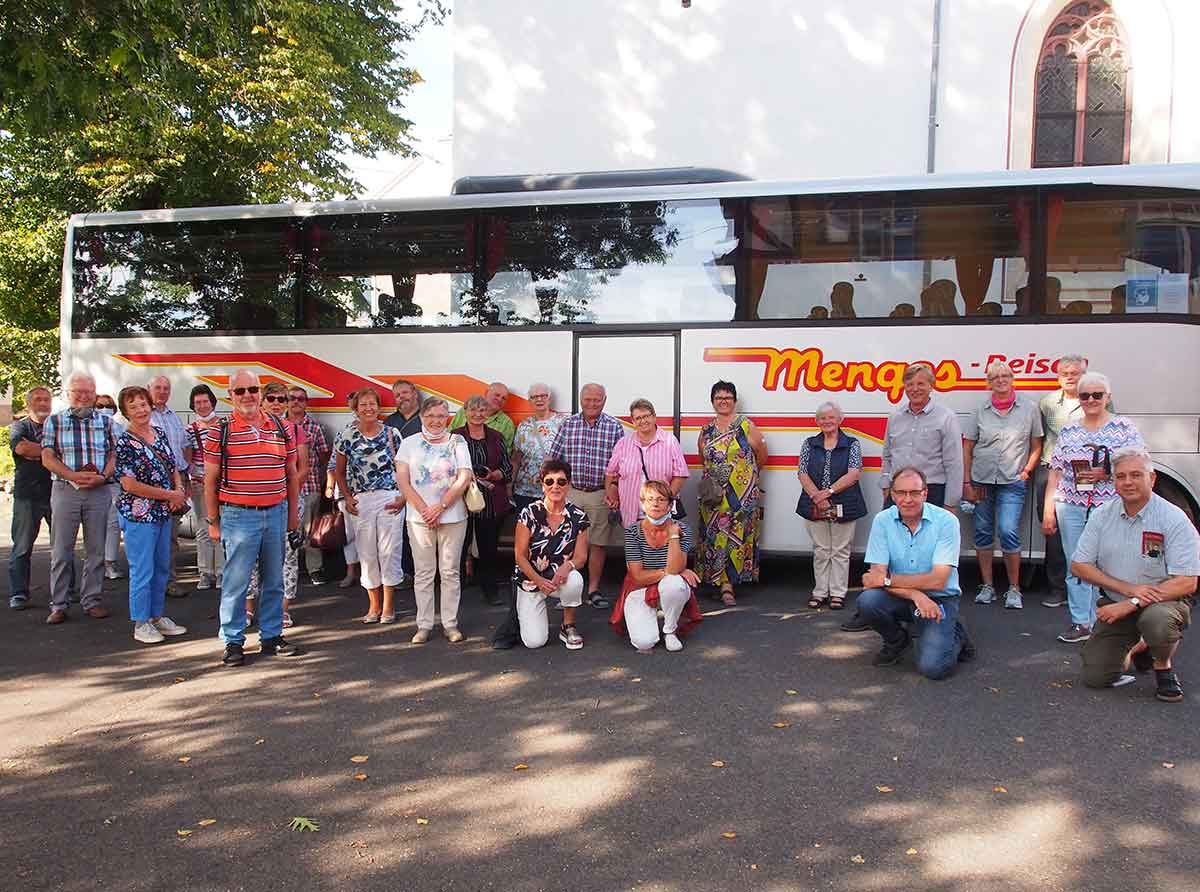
point(1012, 599)
point(1057, 599)
point(1076, 634)
point(986, 595)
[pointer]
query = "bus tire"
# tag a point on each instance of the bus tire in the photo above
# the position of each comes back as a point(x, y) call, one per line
point(1177, 496)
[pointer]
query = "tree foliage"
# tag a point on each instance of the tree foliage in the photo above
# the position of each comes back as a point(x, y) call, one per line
point(137, 104)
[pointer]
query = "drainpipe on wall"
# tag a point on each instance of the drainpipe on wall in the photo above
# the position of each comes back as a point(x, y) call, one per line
point(931, 144)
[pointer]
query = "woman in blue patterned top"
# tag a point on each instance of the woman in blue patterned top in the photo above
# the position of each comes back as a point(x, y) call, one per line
point(151, 488)
point(366, 473)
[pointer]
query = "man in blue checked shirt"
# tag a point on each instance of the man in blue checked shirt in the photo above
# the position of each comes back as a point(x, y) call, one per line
point(913, 578)
point(79, 450)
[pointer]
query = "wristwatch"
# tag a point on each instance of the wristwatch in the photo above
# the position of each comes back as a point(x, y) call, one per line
point(887, 582)
point(1136, 602)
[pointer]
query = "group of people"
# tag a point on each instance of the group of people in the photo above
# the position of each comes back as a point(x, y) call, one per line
point(425, 497)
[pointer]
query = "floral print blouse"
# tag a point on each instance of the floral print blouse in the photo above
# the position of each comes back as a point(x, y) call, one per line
point(370, 461)
point(153, 465)
point(549, 549)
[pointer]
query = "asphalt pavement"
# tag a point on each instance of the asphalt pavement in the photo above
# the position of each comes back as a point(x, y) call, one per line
point(767, 755)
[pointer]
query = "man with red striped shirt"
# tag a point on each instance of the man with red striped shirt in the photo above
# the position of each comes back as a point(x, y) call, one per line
point(250, 472)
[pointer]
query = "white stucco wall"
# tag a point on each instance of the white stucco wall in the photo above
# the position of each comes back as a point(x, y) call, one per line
point(783, 89)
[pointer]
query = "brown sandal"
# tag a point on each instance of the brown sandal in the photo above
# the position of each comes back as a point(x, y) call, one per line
point(727, 597)
point(815, 603)
point(837, 602)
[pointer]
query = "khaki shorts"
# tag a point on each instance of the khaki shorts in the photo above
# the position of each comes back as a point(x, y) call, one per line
point(601, 532)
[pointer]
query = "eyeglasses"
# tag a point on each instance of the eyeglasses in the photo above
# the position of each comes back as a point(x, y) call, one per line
point(276, 398)
point(723, 399)
point(240, 391)
point(555, 481)
point(298, 398)
point(637, 418)
point(539, 396)
point(906, 493)
point(1092, 396)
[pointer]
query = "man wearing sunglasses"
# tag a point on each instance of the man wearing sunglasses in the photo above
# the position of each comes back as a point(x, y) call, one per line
point(165, 419)
point(250, 471)
point(913, 578)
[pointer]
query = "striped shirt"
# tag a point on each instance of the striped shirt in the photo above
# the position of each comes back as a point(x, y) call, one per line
point(255, 463)
point(1077, 443)
point(637, 550)
point(587, 448)
point(79, 442)
point(663, 460)
point(318, 454)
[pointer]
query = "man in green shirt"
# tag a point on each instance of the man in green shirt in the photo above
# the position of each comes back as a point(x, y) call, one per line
point(496, 395)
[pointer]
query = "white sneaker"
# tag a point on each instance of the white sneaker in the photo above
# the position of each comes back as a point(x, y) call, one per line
point(111, 571)
point(168, 626)
point(205, 583)
point(146, 633)
point(672, 642)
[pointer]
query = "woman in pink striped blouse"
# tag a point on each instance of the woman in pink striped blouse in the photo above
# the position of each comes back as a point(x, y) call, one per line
point(647, 453)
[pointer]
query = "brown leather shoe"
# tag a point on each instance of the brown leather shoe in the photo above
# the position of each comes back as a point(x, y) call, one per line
point(56, 617)
point(98, 612)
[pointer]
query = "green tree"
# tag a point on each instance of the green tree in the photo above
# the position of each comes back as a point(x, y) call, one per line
point(138, 104)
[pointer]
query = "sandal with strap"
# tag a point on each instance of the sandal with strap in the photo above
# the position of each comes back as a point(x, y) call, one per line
point(727, 597)
point(815, 603)
point(837, 602)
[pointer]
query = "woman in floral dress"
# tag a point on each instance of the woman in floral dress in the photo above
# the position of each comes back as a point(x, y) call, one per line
point(734, 452)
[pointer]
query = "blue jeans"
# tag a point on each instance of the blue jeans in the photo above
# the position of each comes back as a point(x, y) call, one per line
point(1081, 596)
point(148, 550)
point(937, 651)
point(1001, 506)
point(250, 537)
point(27, 517)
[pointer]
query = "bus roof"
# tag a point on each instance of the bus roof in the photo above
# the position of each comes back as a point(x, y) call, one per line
point(1164, 176)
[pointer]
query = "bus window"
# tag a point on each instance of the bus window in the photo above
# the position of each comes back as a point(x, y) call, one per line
point(667, 261)
point(1123, 257)
point(886, 257)
point(218, 275)
point(385, 270)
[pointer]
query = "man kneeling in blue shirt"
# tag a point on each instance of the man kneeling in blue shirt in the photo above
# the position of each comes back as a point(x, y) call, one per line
point(913, 578)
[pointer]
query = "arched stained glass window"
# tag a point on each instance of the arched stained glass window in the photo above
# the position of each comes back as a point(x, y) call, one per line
point(1082, 89)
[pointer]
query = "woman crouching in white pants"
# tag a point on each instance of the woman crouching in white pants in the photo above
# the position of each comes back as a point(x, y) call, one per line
point(550, 541)
point(656, 550)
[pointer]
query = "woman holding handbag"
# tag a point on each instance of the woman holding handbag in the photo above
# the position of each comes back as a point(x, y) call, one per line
point(831, 502)
point(433, 471)
point(366, 473)
point(493, 471)
point(646, 453)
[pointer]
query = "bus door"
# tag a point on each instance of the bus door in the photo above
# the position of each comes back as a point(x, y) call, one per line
point(631, 367)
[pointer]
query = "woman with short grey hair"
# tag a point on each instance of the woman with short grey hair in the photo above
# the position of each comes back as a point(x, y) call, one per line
point(1002, 445)
point(830, 503)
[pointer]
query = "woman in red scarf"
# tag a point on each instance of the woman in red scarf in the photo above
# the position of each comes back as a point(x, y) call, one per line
point(656, 551)
point(1002, 443)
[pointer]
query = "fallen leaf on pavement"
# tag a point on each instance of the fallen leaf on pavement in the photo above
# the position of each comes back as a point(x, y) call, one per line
point(307, 824)
point(859, 859)
point(910, 851)
point(791, 692)
point(883, 789)
point(1168, 764)
point(754, 867)
point(260, 741)
point(422, 821)
point(207, 822)
point(781, 725)
point(718, 764)
point(729, 834)
point(999, 790)
point(185, 759)
point(1019, 739)
point(359, 759)
point(183, 834)
point(635, 680)
point(179, 678)
point(521, 767)
point(360, 777)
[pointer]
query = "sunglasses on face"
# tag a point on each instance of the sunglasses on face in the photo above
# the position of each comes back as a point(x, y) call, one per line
point(555, 481)
point(241, 391)
point(274, 398)
point(1092, 396)
point(298, 398)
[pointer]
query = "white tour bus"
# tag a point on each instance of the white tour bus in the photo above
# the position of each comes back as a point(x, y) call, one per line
point(798, 292)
